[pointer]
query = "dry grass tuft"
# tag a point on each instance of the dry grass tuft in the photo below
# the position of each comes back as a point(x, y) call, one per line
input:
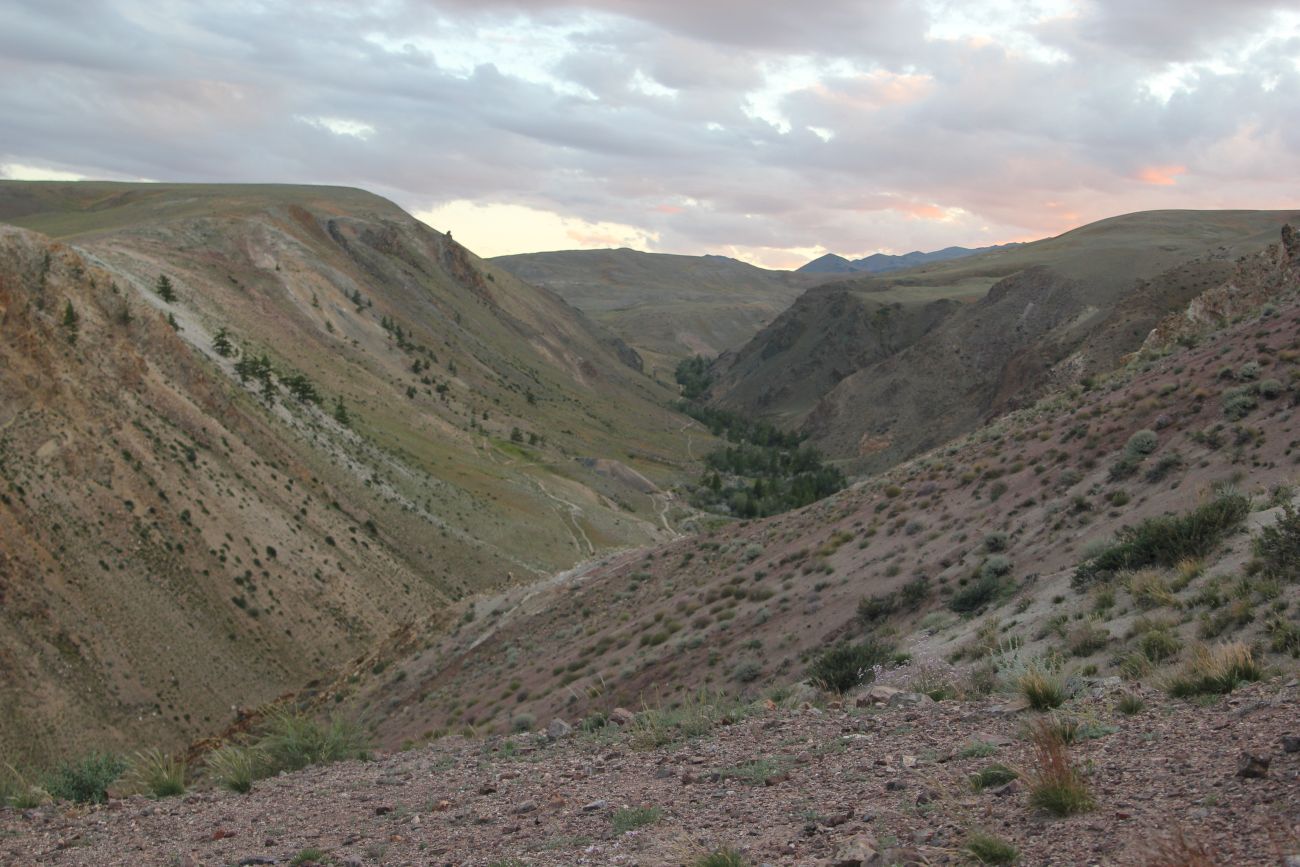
point(1178, 850)
point(1055, 785)
point(1216, 670)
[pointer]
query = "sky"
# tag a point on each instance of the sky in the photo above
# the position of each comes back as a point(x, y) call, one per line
point(773, 132)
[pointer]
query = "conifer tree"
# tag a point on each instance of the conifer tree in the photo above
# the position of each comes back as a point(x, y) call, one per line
point(164, 289)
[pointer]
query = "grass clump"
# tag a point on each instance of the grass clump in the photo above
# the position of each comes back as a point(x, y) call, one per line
point(631, 818)
point(235, 767)
point(86, 780)
point(1055, 785)
point(1043, 689)
point(1166, 540)
point(724, 857)
point(157, 773)
point(977, 750)
point(16, 790)
point(987, 849)
point(694, 716)
point(993, 775)
point(293, 741)
point(1216, 671)
point(1130, 704)
point(842, 667)
point(310, 856)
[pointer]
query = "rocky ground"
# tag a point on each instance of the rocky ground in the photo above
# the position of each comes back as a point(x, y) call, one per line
point(882, 783)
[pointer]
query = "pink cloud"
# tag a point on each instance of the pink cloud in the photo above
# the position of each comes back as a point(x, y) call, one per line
point(1161, 176)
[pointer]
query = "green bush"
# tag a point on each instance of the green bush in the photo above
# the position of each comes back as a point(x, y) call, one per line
point(844, 666)
point(86, 780)
point(1278, 547)
point(1239, 403)
point(1167, 540)
point(1141, 444)
point(976, 594)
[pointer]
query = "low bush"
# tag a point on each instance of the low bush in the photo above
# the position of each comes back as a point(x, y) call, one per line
point(976, 594)
point(1277, 548)
point(86, 780)
point(1166, 540)
point(844, 666)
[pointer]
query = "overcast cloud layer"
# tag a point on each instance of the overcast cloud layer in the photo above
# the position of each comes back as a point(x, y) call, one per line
point(773, 131)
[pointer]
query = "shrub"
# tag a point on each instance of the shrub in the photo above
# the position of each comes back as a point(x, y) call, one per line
point(747, 672)
point(987, 849)
point(86, 780)
point(996, 542)
point(1043, 689)
point(1168, 462)
point(235, 767)
point(1160, 643)
point(915, 592)
point(1216, 671)
point(523, 722)
point(1270, 389)
point(1278, 547)
point(872, 609)
point(293, 741)
point(1238, 403)
point(1141, 444)
point(1055, 785)
point(309, 856)
point(158, 774)
point(975, 595)
point(844, 666)
point(995, 566)
point(1166, 540)
point(1285, 637)
point(630, 818)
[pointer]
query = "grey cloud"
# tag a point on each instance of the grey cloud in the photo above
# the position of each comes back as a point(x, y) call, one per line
point(1019, 144)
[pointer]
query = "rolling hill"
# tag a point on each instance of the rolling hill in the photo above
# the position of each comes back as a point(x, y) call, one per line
point(395, 424)
point(667, 307)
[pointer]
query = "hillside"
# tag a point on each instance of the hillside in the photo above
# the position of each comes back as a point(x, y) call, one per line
point(1081, 622)
point(667, 307)
point(1056, 310)
point(177, 538)
point(747, 604)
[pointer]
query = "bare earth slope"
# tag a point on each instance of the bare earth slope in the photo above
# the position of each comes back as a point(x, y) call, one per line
point(893, 779)
point(174, 541)
point(668, 307)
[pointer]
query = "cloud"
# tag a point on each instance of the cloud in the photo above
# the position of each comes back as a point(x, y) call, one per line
point(768, 130)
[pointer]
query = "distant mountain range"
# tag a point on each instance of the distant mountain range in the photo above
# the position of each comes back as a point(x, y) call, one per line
point(879, 263)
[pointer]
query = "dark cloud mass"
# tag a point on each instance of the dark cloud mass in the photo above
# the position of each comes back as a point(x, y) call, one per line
point(730, 125)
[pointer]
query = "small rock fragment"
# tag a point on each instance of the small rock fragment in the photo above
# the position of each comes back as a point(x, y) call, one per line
point(857, 852)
